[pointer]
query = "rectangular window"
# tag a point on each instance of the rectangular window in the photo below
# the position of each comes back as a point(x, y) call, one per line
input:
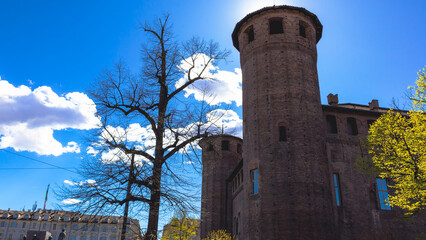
point(225, 145)
point(302, 30)
point(24, 224)
point(255, 181)
point(337, 192)
point(283, 134)
point(352, 127)
point(382, 189)
point(331, 124)
point(250, 34)
point(276, 26)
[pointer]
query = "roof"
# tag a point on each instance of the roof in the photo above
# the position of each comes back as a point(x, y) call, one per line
point(314, 18)
point(61, 216)
point(357, 109)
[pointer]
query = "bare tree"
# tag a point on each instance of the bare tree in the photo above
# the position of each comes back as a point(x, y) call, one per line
point(154, 99)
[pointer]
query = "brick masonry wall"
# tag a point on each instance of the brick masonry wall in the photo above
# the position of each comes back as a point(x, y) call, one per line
point(359, 217)
point(280, 88)
point(218, 164)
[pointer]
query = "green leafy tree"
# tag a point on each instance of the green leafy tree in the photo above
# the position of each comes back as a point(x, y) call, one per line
point(218, 235)
point(181, 227)
point(397, 147)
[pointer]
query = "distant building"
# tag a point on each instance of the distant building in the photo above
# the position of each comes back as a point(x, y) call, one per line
point(15, 224)
point(293, 175)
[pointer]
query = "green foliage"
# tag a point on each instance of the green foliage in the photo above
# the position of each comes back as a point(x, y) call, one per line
point(397, 145)
point(218, 235)
point(181, 227)
point(419, 96)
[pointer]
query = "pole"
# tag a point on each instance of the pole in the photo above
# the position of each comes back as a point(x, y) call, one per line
point(126, 204)
point(45, 200)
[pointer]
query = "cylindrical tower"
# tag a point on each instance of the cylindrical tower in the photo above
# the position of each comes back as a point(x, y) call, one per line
point(220, 155)
point(288, 195)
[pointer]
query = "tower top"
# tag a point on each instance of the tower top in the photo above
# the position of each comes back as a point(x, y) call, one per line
point(315, 20)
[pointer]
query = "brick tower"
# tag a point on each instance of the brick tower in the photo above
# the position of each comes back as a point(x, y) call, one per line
point(287, 188)
point(220, 155)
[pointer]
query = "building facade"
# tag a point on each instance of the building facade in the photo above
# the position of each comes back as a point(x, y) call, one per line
point(15, 224)
point(295, 178)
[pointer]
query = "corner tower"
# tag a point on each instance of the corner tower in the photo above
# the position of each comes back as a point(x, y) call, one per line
point(288, 193)
point(220, 155)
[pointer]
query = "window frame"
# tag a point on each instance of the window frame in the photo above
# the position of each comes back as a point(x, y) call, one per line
point(382, 193)
point(254, 176)
point(337, 190)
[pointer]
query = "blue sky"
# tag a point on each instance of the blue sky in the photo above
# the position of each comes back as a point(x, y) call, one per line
point(369, 50)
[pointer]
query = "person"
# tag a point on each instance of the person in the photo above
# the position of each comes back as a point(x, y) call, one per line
point(35, 237)
point(62, 235)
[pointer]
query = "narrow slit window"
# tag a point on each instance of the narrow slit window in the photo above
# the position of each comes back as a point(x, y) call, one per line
point(302, 30)
point(255, 181)
point(276, 26)
point(283, 134)
point(352, 127)
point(225, 145)
point(331, 124)
point(250, 34)
point(382, 189)
point(337, 191)
point(239, 148)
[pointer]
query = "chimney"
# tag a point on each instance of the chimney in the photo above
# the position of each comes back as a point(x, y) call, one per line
point(374, 105)
point(332, 99)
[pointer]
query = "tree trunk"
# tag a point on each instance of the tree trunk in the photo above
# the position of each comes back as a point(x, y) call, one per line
point(154, 208)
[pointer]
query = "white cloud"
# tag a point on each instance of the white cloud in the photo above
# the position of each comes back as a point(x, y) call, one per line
point(143, 138)
point(71, 201)
point(28, 118)
point(70, 183)
point(219, 87)
point(88, 182)
point(227, 120)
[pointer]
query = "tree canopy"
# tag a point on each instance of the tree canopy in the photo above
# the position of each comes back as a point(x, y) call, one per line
point(397, 146)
